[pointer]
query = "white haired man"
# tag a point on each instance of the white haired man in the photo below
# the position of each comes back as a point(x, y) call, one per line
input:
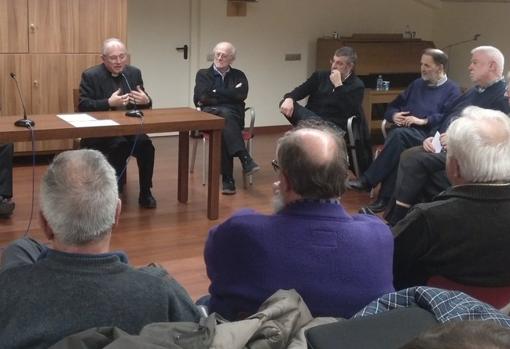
point(421, 170)
point(50, 293)
point(221, 90)
point(463, 234)
point(116, 85)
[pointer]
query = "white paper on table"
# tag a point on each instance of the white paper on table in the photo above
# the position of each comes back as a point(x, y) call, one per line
point(436, 142)
point(85, 120)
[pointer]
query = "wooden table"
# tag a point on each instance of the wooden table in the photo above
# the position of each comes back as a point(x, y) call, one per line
point(183, 120)
point(374, 97)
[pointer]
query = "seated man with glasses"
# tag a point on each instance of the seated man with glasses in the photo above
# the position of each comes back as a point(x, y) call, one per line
point(337, 262)
point(333, 95)
point(115, 85)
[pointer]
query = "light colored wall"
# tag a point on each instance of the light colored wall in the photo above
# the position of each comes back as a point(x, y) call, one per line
point(459, 22)
point(273, 28)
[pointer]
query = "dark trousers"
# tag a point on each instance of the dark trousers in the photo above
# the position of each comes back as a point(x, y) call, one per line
point(384, 168)
point(232, 143)
point(421, 175)
point(302, 114)
point(6, 155)
point(117, 150)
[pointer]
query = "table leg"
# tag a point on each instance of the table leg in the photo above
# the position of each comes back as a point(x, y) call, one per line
point(213, 185)
point(183, 165)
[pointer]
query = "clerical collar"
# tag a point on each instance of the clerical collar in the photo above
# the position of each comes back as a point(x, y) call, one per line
point(219, 72)
point(481, 89)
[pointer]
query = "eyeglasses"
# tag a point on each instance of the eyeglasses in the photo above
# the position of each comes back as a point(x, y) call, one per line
point(275, 165)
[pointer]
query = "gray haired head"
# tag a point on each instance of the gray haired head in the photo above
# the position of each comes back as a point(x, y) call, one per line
point(79, 197)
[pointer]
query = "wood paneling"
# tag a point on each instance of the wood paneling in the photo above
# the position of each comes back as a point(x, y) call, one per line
point(13, 26)
point(75, 26)
point(18, 64)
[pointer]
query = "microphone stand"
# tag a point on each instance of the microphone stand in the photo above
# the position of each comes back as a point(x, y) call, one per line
point(133, 112)
point(448, 47)
point(27, 123)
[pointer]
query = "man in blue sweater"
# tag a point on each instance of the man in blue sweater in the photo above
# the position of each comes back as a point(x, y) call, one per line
point(416, 113)
point(49, 293)
point(421, 172)
point(337, 262)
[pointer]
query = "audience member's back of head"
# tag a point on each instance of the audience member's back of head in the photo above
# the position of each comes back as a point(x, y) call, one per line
point(463, 335)
point(79, 197)
point(313, 157)
point(480, 141)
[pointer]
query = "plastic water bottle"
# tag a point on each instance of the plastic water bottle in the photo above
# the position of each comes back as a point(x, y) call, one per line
point(380, 83)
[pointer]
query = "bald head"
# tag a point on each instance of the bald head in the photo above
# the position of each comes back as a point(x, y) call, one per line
point(479, 141)
point(314, 160)
point(319, 146)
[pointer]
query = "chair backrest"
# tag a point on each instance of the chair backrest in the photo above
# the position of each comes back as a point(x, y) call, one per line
point(498, 297)
point(76, 99)
point(250, 111)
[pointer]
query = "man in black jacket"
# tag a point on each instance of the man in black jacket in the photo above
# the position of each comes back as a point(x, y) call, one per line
point(463, 234)
point(221, 90)
point(115, 85)
point(334, 95)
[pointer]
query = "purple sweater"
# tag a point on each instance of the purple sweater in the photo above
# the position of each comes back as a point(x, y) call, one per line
point(338, 263)
point(425, 101)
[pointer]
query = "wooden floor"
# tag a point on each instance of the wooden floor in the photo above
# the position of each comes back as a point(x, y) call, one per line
point(174, 233)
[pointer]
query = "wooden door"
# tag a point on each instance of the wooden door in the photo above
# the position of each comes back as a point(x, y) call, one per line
point(75, 26)
point(13, 26)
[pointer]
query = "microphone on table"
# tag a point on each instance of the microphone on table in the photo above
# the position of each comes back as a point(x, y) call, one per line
point(134, 112)
point(22, 122)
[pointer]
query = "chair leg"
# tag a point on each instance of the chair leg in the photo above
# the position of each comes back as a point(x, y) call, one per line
point(249, 147)
point(193, 155)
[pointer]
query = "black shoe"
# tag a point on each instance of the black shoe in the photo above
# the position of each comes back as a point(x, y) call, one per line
point(229, 186)
point(378, 205)
point(249, 166)
point(359, 184)
point(147, 201)
point(6, 207)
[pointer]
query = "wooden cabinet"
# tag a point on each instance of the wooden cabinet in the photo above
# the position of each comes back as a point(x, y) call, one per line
point(75, 26)
point(47, 44)
point(13, 26)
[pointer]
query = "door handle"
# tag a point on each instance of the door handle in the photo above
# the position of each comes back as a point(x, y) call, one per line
point(184, 50)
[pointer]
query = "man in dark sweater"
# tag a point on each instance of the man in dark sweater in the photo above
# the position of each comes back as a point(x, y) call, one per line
point(333, 95)
point(416, 113)
point(463, 234)
point(221, 90)
point(49, 293)
point(421, 169)
point(116, 85)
